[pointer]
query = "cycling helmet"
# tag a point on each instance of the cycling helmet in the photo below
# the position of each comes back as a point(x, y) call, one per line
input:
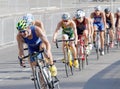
point(97, 8)
point(28, 18)
point(80, 14)
point(21, 25)
point(107, 10)
point(118, 9)
point(66, 16)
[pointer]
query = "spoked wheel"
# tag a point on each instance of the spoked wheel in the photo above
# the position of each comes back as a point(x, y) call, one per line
point(79, 64)
point(55, 82)
point(97, 52)
point(39, 80)
point(68, 66)
point(86, 59)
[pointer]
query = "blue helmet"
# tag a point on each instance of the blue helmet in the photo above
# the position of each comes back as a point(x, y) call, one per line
point(28, 18)
point(66, 16)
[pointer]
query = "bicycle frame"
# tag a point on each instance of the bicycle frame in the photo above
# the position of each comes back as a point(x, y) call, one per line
point(82, 51)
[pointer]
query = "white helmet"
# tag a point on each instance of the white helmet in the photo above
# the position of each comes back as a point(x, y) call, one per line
point(80, 14)
point(97, 8)
point(66, 16)
point(118, 9)
point(28, 18)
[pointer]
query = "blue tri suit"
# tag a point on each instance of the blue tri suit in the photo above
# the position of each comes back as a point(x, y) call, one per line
point(33, 44)
point(98, 22)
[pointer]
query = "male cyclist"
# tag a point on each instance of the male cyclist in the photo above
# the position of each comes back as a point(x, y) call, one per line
point(99, 23)
point(83, 26)
point(33, 36)
point(68, 32)
point(110, 24)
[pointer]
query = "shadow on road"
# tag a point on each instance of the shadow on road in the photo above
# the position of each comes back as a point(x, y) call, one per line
point(109, 78)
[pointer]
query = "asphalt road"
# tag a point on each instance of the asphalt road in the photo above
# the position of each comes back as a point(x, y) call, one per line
point(99, 74)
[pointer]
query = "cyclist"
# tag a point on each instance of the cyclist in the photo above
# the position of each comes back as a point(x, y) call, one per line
point(69, 32)
point(110, 24)
point(29, 18)
point(83, 26)
point(33, 36)
point(99, 23)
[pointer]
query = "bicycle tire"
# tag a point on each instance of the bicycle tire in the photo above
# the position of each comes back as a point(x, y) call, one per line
point(41, 79)
point(36, 75)
point(48, 78)
point(70, 59)
point(68, 68)
point(79, 61)
point(86, 59)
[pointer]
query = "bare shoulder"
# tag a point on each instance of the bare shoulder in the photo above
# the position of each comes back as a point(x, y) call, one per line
point(38, 23)
point(19, 38)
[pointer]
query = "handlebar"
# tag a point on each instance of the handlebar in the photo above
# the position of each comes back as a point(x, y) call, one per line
point(63, 41)
point(36, 53)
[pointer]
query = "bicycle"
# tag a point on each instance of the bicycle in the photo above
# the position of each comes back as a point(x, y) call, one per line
point(107, 41)
point(118, 37)
point(82, 54)
point(41, 73)
point(68, 55)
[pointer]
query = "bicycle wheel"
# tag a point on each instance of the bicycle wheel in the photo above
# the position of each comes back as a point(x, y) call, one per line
point(79, 61)
point(55, 82)
point(48, 78)
point(86, 59)
point(67, 67)
point(70, 60)
point(39, 79)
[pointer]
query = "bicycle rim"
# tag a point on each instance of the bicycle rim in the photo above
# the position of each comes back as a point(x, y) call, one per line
point(97, 52)
point(36, 81)
point(48, 78)
point(79, 64)
point(66, 62)
point(86, 60)
point(70, 59)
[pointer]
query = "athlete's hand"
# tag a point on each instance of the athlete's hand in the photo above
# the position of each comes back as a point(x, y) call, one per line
point(54, 40)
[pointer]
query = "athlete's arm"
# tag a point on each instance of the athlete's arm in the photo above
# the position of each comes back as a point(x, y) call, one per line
point(40, 24)
point(91, 15)
point(112, 20)
point(56, 31)
point(75, 31)
point(44, 39)
point(88, 26)
point(104, 18)
point(20, 46)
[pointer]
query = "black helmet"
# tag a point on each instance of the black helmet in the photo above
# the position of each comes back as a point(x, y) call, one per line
point(107, 10)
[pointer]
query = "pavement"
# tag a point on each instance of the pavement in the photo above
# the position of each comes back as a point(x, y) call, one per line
point(98, 74)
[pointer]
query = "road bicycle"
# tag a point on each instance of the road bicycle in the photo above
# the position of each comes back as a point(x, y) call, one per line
point(107, 41)
point(41, 73)
point(67, 56)
point(82, 53)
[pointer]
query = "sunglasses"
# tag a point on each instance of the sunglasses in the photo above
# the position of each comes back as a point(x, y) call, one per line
point(65, 20)
point(22, 31)
point(79, 18)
